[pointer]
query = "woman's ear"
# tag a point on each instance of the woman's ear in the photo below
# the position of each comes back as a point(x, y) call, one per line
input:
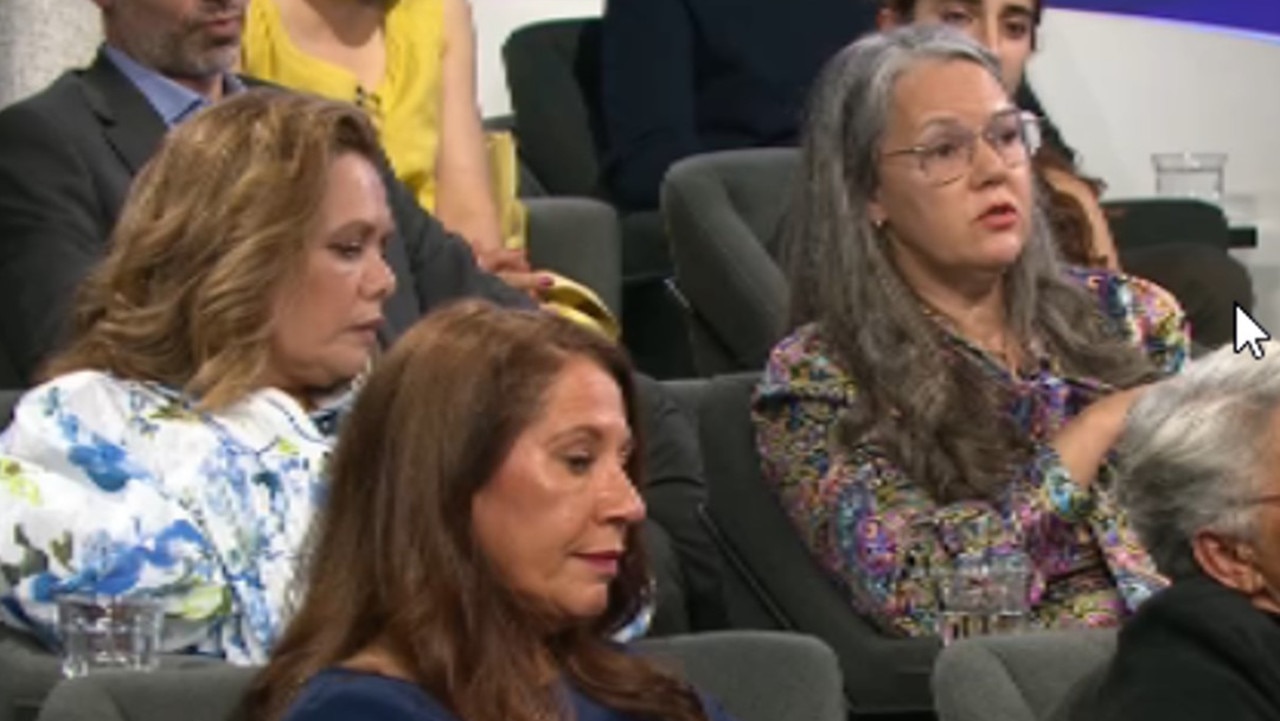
point(1227, 561)
point(876, 212)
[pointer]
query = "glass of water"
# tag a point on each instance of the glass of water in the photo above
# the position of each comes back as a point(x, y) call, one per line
point(962, 607)
point(103, 632)
point(1190, 175)
point(983, 595)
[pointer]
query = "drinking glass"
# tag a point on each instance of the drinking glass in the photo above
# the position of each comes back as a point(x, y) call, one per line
point(983, 595)
point(1190, 175)
point(104, 632)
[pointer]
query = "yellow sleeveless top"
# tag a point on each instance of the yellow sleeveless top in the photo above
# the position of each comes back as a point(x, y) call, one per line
point(405, 106)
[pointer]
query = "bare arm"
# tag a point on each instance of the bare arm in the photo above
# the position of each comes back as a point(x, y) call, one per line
point(464, 195)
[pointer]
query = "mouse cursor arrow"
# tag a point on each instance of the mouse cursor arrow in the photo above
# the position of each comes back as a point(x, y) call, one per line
point(1249, 334)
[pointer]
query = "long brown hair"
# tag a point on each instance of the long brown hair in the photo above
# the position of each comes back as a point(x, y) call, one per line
point(395, 565)
point(215, 224)
point(1071, 227)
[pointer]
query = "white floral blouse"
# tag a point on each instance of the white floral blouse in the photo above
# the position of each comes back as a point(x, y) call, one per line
point(119, 487)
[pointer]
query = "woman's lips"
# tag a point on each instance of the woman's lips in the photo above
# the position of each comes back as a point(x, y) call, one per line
point(605, 564)
point(999, 217)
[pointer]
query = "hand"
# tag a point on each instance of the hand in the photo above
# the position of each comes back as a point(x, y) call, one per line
point(532, 283)
point(503, 260)
point(1085, 441)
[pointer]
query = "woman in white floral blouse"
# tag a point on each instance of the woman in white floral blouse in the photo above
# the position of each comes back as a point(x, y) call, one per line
point(176, 451)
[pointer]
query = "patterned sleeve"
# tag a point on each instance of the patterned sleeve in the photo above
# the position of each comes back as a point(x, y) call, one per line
point(1162, 327)
point(1149, 314)
point(81, 513)
point(875, 530)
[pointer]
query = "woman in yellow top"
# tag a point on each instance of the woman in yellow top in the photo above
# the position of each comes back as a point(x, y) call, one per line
point(411, 65)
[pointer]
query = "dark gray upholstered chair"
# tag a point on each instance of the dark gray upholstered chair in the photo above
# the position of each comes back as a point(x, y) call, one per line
point(578, 238)
point(1028, 677)
point(757, 676)
point(211, 692)
point(27, 673)
point(772, 581)
point(1146, 222)
point(724, 212)
point(553, 75)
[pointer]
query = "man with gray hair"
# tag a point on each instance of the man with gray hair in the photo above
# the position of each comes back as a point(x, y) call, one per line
point(1200, 480)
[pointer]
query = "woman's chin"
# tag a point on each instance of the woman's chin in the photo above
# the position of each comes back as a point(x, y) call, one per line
point(1001, 251)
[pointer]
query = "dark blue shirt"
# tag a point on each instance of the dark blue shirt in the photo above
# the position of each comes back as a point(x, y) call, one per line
point(345, 695)
point(681, 77)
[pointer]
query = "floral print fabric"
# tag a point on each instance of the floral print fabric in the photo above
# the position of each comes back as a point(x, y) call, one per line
point(880, 535)
point(121, 488)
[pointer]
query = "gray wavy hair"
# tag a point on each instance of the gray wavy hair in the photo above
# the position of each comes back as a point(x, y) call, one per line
point(945, 422)
point(1195, 450)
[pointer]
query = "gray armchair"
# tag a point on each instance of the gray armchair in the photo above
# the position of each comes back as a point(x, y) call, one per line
point(27, 673)
point(1028, 677)
point(771, 580)
point(553, 73)
point(742, 670)
point(724, 212)
point(578, 238)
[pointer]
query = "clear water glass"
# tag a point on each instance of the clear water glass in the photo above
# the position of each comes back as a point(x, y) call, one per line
point(108, 633)
point(983, 595)
point(1190, 175)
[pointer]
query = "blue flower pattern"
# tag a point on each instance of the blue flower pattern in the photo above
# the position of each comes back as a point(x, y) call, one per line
point(142, 495)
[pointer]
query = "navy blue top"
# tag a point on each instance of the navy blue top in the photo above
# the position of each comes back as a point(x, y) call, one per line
point(340, 694)
point(681, 77)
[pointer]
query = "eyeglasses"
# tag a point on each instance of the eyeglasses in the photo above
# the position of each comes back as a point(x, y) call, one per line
point(1014, 135)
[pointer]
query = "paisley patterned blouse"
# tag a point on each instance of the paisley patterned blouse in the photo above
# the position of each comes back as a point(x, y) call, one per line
point(121, 488)
point(879, 534)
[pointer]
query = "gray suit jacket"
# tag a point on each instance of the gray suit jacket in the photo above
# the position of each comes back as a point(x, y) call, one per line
point(67, 157)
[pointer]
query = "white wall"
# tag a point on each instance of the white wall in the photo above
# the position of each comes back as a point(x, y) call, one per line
point(39, 39)
point(1124, 88)
point(495, 19)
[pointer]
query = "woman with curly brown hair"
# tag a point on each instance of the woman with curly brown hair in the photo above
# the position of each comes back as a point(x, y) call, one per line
point(177, 449)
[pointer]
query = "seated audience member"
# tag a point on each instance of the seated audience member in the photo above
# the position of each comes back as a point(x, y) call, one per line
point(411, 65)
point(69, 153)
point(1205, 280)
point(176, 452)
point(950, 391)
point(481, 538)
point(1199, 481)
point(682, 77)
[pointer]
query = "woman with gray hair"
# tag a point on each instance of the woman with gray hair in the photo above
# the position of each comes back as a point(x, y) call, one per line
point(1198, 479)
point(950, 391)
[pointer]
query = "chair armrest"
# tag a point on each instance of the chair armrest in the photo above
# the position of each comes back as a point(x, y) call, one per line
point(578, 238)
